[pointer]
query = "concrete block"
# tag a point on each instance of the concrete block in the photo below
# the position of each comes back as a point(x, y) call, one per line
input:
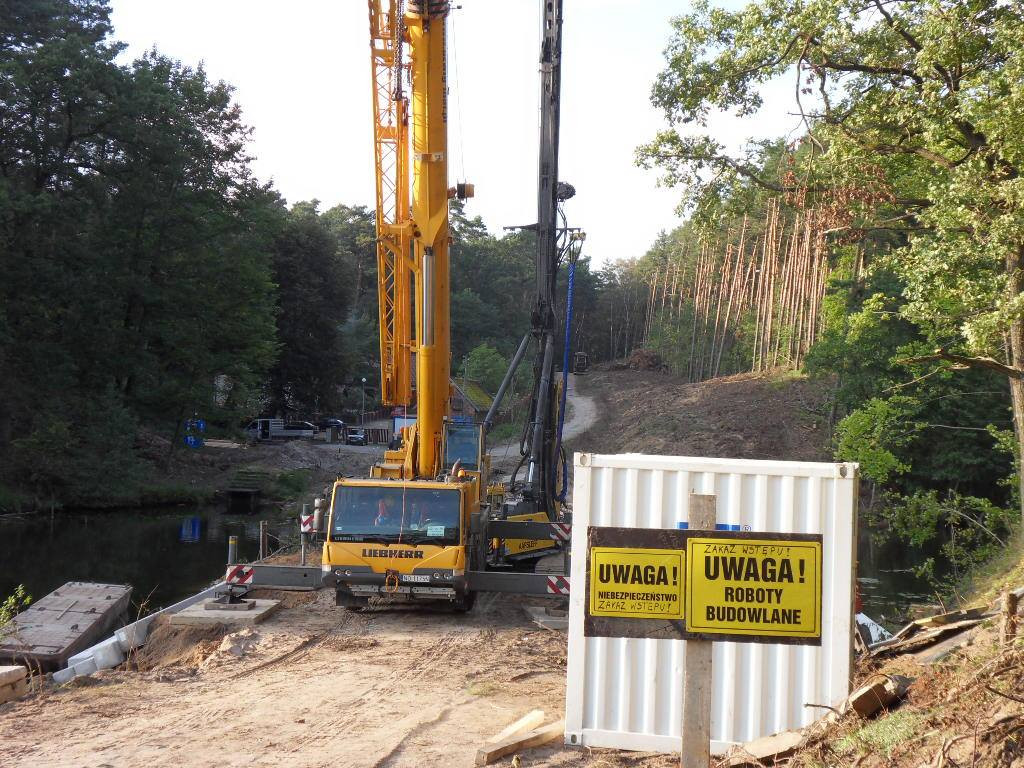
point(132, 636)
point(108, 654)
point(62, 676)
point(78, 658)
point(12, 674)
point(542, 618)
point(13, 690)
point(200, 615)
point(85, 667)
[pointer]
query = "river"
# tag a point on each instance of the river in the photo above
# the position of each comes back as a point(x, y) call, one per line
point(168, 555)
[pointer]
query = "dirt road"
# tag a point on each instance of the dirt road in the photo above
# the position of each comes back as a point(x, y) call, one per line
point(582, 415)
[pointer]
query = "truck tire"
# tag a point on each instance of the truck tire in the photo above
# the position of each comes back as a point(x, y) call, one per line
point(350, 602)
point(464, 603)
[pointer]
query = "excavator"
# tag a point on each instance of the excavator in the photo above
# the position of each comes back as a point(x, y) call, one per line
point(428, 524)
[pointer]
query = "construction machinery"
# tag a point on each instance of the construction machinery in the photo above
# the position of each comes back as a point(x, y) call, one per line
point(427, 524)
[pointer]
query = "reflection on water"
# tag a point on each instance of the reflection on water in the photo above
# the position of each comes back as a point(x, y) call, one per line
point(886, 579)
point(174, 554)
point(167, 555)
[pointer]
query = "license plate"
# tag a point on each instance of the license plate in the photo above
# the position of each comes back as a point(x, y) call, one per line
point(416, 577)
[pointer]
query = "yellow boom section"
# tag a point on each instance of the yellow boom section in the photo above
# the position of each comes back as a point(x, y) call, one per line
point(425, 21)
point(394, 225)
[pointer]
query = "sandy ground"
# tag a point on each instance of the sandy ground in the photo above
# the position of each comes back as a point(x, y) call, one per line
point(318, 686)
point(315, 686)
point(748, 416)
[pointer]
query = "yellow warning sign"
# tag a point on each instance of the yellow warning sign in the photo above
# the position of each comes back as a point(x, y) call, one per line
point(636, 583)
point(754, 587)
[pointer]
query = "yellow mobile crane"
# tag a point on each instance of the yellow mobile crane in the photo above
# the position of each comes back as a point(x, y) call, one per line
point(419, 526)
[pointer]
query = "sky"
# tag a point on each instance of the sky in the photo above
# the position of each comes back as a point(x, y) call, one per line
point(301, 71)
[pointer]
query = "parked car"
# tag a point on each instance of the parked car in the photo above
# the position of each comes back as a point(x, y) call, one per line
point(299, 429)
point(324, 424)
point(356, 437)
point(266, 429)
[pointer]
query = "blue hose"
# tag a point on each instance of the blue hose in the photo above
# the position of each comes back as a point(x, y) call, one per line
point(565, 386)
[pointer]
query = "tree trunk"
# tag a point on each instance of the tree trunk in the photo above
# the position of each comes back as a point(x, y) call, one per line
point(1015, 287)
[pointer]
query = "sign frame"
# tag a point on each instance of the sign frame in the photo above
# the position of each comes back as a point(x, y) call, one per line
point(597, 625)
point(752, 636)
point(602, 538)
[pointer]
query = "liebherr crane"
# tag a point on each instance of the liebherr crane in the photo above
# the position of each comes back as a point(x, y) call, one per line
point(419, 527)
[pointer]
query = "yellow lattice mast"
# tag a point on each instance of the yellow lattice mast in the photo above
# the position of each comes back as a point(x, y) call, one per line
point(394, 224)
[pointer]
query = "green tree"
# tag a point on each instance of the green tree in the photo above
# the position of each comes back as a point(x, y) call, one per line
point(313, 295)
point(913, 111)
point(134, 246)
point(486, 365)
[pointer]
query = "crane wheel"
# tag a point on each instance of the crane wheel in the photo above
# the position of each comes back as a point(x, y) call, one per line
point(350, 602)
point(464, 603)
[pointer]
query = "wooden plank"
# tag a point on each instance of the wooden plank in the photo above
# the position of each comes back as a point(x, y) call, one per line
point(489, 753)
point(933, 654)
point(922, 639)
point(952, 617)
point(696, 724)
point(767, 749)
point(530, 720)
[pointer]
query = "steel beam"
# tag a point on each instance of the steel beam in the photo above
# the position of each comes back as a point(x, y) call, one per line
point(290, 577)
point(516, 583)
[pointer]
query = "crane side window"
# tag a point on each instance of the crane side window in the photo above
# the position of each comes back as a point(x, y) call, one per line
point(462, 444)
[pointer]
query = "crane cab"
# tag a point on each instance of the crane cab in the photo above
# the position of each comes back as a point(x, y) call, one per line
point(407, 539)
point(403, 539)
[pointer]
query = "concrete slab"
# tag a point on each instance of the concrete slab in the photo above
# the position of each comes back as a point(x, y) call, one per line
point(542, 618)
point(201, 615)
point(63, 623)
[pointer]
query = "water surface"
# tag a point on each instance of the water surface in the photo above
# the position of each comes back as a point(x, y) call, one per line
point(166, 554)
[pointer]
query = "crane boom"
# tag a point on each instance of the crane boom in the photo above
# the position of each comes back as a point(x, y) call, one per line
point(418, 528)
point(394, 224)
point(412, 218)
point(425, 21)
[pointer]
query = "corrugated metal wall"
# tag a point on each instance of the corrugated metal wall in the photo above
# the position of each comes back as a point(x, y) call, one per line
point(627, 693)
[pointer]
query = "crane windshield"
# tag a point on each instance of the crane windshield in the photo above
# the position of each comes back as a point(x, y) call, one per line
point(399, 514)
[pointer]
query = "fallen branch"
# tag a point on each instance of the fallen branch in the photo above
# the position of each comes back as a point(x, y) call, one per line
point(968, 362)
point(1004, 694)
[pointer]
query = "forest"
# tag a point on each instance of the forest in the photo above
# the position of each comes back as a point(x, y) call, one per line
point(149, 276)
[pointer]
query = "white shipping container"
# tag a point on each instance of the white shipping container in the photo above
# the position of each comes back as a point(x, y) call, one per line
point(626, 693)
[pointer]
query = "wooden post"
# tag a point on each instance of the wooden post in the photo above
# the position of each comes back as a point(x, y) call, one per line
point(302, 536)
point(264, 548)
point(696, 725)
point(1008, 631)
